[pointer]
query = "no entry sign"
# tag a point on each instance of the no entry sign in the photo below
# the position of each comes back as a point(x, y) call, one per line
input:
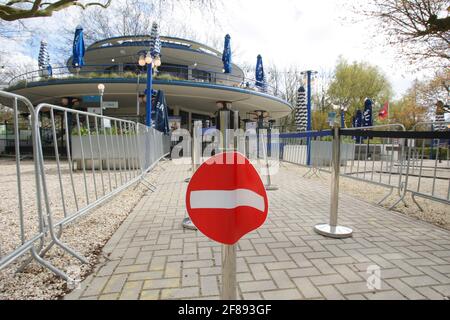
point(226, 198)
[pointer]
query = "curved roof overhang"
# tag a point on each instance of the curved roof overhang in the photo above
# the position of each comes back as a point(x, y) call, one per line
point(193, 96)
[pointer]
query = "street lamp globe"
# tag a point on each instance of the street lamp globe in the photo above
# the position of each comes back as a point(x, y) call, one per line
point(141, 60)
point(101, 88)
point(148, 58)
point(157, 61)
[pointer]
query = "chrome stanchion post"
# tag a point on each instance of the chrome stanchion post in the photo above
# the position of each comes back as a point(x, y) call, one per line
point(196, 151)
point(333, 230)
point(269, 186)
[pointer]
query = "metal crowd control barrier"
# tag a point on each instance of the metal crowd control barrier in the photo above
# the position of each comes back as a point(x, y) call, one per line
point(377, 161)
point(380, 161)
point(103, 156)
point(29, 232)
point(294, 149)
point(429, 164)
point(413, 170)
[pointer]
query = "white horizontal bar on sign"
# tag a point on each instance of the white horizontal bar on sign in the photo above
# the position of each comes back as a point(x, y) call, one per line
point(226, 199)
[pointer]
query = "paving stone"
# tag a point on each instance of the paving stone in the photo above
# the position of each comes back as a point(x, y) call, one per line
point(115, 284)
point(96, 286)
point(404, 289)
point(347, 273)
point(281, 279)
point(330, 293)
point(180, 293)
point(209, 285)
point(288, 294)
point(252, 296)
point(259, 271)
point(149, 295)
point(110, 296)
point(307, 289)
point(131, 268)
point(420, 281)
point(303, 272)
point(263, 285)
point(385, 295)
point(354, 287)
point(131, 290)
point(444, 290)
point(162, 283)
point(327, 279)
point(148, 275)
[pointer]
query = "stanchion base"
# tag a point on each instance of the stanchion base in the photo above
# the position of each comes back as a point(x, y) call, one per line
point(271, 187)
point(337, 232)
point(187, 224)
point(187, 180)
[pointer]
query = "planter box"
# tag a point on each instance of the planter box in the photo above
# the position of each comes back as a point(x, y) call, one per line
point(120, 150)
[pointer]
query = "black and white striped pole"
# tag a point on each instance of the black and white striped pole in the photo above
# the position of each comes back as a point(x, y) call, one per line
point(301, 112)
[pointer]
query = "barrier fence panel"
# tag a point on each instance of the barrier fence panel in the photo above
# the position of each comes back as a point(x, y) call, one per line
point(92, 159)
point(311, 149)
point(21, 221)
point(418, 174)
point(429, 164)
point(378, 161)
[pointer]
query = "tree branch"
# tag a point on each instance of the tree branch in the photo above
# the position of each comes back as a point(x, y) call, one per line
point(11, 12)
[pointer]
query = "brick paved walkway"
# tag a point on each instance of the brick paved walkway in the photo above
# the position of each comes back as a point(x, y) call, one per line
point(152, 257)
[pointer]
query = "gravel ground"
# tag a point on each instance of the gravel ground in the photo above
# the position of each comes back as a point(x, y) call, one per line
point(434, 212)
point(88, 235)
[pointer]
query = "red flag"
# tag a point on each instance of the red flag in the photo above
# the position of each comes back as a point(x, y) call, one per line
point(383, 114)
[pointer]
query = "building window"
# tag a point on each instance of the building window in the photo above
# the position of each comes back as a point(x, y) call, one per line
point(174, 70)
point(202, 76)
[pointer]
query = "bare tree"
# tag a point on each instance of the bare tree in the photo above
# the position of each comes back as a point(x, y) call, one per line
point(25, 9)
point(419, 28)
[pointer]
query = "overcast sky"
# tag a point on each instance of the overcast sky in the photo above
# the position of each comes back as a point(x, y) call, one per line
point(311, 34)
point(308, 34)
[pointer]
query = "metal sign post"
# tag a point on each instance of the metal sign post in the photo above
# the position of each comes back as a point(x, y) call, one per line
point(226, 198)
point(229, 290)
point(332, 229)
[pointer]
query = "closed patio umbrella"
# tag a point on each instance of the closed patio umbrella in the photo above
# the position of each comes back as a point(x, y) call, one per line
point(367, 116)
point(161, 121)
point(78, 49)
point(358, 123)
point(259, 73)
point(226, 56)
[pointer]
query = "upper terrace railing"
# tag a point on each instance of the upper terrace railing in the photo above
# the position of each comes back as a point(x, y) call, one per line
point(133, 71)
point(144, 40)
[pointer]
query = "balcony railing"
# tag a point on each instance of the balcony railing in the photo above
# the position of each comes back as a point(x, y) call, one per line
point(133, 71)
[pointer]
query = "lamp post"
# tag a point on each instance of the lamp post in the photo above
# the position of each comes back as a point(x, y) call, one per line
point(309, 77)
point(101, 91)
point(152, 62)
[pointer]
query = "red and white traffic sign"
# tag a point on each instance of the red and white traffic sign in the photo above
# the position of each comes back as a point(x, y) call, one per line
point(226, 198)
